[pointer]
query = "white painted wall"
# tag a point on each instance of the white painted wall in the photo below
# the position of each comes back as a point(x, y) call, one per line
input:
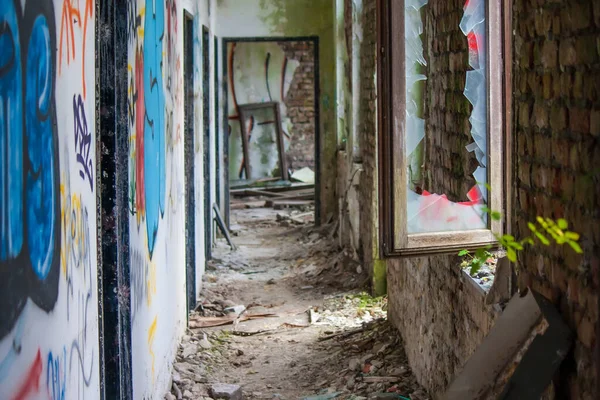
point(48, 272)
point(158, 261)
point(157, 226)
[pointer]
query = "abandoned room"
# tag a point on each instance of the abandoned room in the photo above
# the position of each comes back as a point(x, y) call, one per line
point(299, 199)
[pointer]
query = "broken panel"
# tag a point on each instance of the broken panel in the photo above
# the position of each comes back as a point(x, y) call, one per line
point(432, 212)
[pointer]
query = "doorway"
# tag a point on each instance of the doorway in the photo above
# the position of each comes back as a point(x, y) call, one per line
point(208, 221)
point(272, 120)
point(188, 153)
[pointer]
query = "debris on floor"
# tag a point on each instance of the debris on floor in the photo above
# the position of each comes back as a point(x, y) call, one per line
point(294, 321)
point(305, 175)
point(278, 195)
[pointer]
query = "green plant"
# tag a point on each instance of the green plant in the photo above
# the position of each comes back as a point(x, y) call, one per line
point(474, 261)
point(542, 230)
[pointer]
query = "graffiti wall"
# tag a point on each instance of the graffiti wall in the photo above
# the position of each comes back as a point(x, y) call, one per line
point(156, 192)
point(48, 270)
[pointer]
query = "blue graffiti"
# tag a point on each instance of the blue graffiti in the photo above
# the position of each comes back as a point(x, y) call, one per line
point(56, 375)
point(154, 126)
point(29, 176)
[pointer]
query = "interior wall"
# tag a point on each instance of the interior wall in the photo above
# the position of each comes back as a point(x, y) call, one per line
point(48, 265)
point(293, 18)
point(261, 72)
point(157, 220)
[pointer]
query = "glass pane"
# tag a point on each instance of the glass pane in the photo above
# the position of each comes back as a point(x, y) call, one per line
point(446, 118)
point(262, 142)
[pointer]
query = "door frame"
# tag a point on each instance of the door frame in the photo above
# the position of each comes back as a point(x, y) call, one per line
point(189, 159)
point(317, 90)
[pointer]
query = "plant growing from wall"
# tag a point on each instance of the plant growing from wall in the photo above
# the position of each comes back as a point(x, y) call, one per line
point(544, 230)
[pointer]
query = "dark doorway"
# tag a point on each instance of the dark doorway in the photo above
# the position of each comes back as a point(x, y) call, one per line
point(217, 138)
point(188, 154)
point(206, 141)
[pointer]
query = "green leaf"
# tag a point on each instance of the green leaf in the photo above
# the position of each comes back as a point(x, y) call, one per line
point(475, 267)
point(515, 245)
point(463, 253)
point(572, 235)
point(511, 254)
point(509, 238)
point(575, 246)
point(496, 215)
point(532, 227)
point(542, 238)
point(480, 253)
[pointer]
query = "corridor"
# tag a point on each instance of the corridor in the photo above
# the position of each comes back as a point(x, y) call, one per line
point(312, 330)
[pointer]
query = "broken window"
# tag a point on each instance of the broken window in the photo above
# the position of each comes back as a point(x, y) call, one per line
point(441, 138)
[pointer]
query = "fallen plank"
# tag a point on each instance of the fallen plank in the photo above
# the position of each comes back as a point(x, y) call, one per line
point(304, 197)
point(520, 355)
point(280, 204)
point(254, 192)
point(222, 227)
point(343, 334)
point(208, 322)
point(380, 379)
point(247, 204)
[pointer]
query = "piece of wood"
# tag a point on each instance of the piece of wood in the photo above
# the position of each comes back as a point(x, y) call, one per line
point(520, 355)
point(254, 192)
point(207, 322)
point(222, 227)
point(281, 204)
point(380, 379)
point(305, 197)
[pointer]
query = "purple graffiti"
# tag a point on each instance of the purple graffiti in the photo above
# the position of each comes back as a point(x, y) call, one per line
point(83, 141)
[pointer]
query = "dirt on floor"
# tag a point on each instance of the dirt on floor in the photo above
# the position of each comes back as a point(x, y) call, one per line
point(294, 319)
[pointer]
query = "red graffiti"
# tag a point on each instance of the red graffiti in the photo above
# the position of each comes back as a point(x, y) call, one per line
point(472, 38)
point(71, 16)
point(140, 115)
point(31, 384)
point(434, 207)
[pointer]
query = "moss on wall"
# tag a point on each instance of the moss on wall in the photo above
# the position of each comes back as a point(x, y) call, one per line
point(379, 277)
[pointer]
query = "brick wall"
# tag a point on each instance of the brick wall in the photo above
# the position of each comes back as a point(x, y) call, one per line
point(300, 103)
point(556, 89)
point(448, 167)
point(348, 36)
point(440, 314)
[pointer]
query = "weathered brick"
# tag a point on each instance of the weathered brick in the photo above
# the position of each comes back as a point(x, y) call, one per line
point(586, 332)
point(558, 118)
point(549, 54)
point(566, 53)
point(595, 123)
point(579, 120)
